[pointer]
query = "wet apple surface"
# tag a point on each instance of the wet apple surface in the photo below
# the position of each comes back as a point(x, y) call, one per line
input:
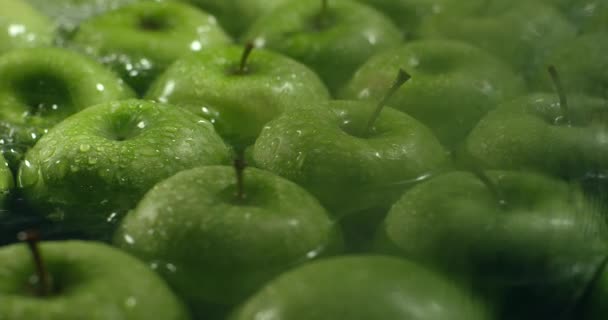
point(391, 159)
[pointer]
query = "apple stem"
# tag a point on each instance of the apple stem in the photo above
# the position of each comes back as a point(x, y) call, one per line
point(249, 46)
point(481, 175)
point(402, 77)
point(322, 14)
point(239, 167)
point(563, 100)
point(32, 238)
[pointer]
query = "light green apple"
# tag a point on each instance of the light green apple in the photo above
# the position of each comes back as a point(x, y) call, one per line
point(333, 41)
point(329, 150)
point(239, 94)
point(237, 15)
point(453, 85)
point(533, 133)
point(535, 30)
point(140, 40)
point(21, 26)
point(216, 240)
point(517, 234)
point(582, 64)
point(89, 281)
point(362, 287)
point(87, 171)
point(39, 87)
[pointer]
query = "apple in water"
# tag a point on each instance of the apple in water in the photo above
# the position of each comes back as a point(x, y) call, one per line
point(518, 236)
point(361, 287)
point(80, 280)
point(87, 171)
point(39, 87)
point(237, 15)
point(535, 30)
point(582, 64)
point(534, 133)
point(217, 234)
point(140, 40)
point(23, 26)
point(332, 37)
point(238, 89)
point(453, 85)
point(347, 160)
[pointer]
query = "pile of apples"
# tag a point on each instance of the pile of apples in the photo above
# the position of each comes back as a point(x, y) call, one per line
point(303, 160)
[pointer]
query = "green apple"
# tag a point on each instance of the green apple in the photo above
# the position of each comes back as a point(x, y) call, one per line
point(39, 87)
point(237, 15)
point(535, 30)
point(89, 281)
point(95, 165)
point(587, 15)
point(217, 238)
point(533, 133)
point(361, 287)
point(140, 40)
point(68, 14)
point(333, 40)
point(330, 151)
point(453, 85)
point(238, 93)
point(23, 27)
point(583, 66)
point(519, 233)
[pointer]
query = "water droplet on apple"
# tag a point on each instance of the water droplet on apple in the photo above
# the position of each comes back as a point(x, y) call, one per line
point(85, 147)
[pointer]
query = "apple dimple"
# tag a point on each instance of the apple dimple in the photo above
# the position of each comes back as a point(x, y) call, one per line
point(154, 22)
point(43, 93)
point(124, 126)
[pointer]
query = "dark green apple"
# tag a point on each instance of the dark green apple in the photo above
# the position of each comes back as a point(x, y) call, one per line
point(237, 15)
point(217, 238)
point(86, 280)
point(68, 14)
point(517, 234)
point(583, 66)
point(331, 151)
point(39, 87)
point(361, 287)
point(237, 93)
point(594, 306)
point(533, 133)
point(535, 30)
point(23, 27)
point(140, 40)
point(94, 166)
point(333, 40)
point(453, 85)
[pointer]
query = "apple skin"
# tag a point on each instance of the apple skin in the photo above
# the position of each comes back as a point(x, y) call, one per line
point(582, 65)
point(95, 282)
point(453, 85)
point(353, 32)
point(543, 244)
point(87, 171)
point(239, 105)
point(237, 15)
point(141, 40)
point(39, 87)
point(361, 287)
point(216, 249)
point(536, 30)
point(23, 27)
point(529, 133)
point(321, 148)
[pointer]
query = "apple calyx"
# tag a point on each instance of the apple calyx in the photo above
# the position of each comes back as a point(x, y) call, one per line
point(249, 46)
point(239, 167)
point(491, 185)
point(563, 99)
point(43, 281)
point(402, 77)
